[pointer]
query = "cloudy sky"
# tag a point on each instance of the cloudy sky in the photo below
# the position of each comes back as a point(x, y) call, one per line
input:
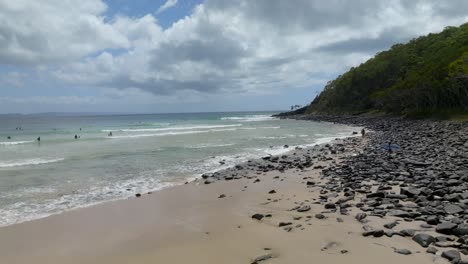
point(194, 55)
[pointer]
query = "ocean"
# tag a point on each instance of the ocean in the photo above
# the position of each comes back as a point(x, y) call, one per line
point(146, 152)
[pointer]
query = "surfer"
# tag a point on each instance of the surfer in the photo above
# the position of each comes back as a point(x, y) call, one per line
point(110, 134)
point(9, 137)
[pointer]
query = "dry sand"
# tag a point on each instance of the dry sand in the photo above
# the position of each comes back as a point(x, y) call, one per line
point(190, 224)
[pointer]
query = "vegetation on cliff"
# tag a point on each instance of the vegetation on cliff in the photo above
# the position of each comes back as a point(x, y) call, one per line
point(427, 76)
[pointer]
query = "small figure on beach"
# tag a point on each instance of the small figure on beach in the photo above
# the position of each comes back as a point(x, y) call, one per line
point(363, 132)
point(110, 134)
point(76, 136)
point(39, 139)
point(390, 147)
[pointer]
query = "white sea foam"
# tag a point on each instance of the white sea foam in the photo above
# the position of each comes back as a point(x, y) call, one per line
point(271, 137)
point(161, 134)
point(25, 211)
point(6, 143)
point(249, 118)
point(223, 129)
point(27, 162)
point(169, 128)
point(200, 146)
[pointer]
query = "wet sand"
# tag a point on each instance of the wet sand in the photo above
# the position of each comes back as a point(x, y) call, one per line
point(192, 224)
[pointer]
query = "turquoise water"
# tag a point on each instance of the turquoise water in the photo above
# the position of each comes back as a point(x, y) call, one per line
point(144, 153)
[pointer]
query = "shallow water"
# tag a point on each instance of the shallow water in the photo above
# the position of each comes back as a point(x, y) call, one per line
point(144, 153)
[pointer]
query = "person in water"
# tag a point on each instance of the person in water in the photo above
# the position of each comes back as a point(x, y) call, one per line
point(9, 137)
point(39, 139)
point(76, 137)
point(363, 132)
point(110, 134)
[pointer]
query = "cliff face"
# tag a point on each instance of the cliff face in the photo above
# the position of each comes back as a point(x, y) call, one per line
point(427, 76)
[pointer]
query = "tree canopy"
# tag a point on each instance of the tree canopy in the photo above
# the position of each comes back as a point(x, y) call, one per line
point(426, 76)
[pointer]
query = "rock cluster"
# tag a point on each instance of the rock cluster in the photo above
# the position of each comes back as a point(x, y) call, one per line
point(425, 180)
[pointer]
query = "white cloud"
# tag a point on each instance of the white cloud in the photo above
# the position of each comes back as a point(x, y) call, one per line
point(168, 4)
point(54, 31)
point(236, 47)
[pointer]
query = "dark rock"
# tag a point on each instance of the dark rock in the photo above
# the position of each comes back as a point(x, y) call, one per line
point(453, 209)
point(281, 224)
point(258, 216)
point(360, 216)
point(320, 216)
point(272, 191)
point(209, 181)
point(138, 195)
point(378, 233)
point(445, 228)
point(222, 196)
point(391, 225)
point(303, 208)
point(461, 230)
point(407, 232)
point(432, 250)
point(452, 255)
point(262, 258)
point(374, 233)
point(376, 195)
point(424, 239)
point(432, 220)
point(402, 251)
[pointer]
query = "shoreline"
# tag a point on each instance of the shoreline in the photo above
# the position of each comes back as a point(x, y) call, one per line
point(194, 178)
point(299, 198)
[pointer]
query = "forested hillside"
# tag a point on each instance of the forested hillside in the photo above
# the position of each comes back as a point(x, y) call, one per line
point(427, 76)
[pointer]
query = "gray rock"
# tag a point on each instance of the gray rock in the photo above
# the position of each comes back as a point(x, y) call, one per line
point(303, 208)
point(445, 228)
point(452, 255)
point(424, 239)
point(360, 216)
point(453, 209)
point(402, 251)
point(432, 250)
point(262, 258)
point(320, 216)
point(391, 225)
point(461, 230)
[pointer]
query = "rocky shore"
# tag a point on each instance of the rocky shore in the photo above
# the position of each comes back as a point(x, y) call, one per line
point(422, 180)
point(349, 201)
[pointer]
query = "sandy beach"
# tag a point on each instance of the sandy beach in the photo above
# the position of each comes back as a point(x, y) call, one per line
point(212, 223)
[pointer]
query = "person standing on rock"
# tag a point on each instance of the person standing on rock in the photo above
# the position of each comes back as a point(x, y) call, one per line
point(363, 132)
